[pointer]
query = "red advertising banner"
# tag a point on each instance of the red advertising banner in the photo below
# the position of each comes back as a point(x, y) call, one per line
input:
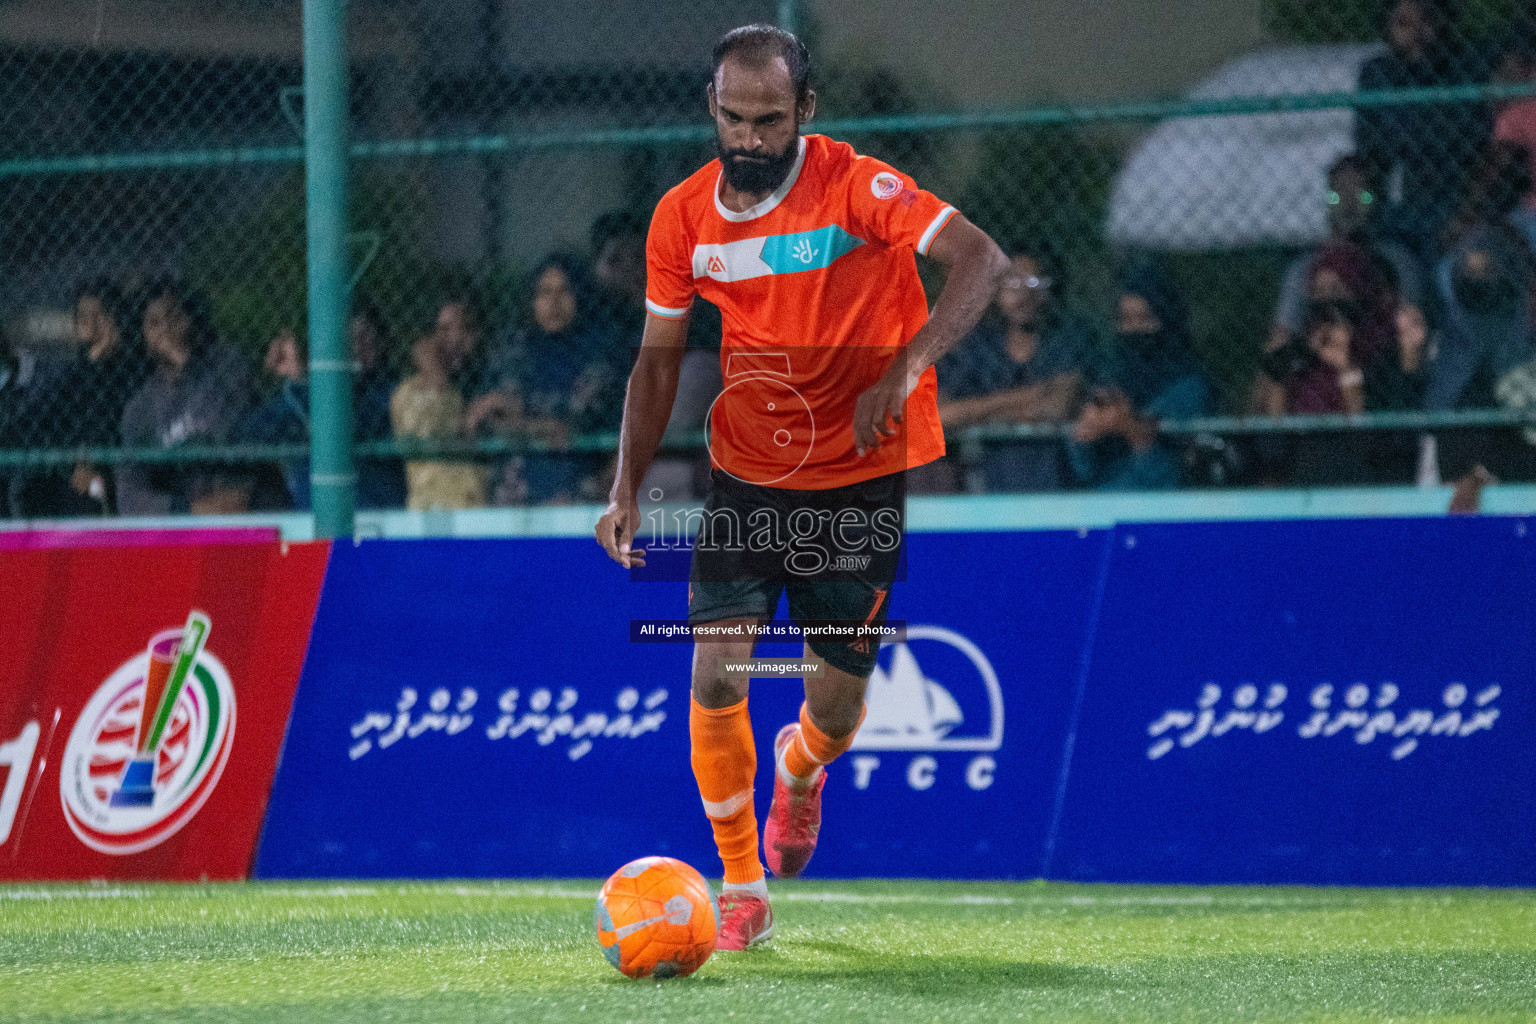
point(144, 693)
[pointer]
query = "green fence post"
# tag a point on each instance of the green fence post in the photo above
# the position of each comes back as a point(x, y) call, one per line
point(787, 11)
point(332, 480)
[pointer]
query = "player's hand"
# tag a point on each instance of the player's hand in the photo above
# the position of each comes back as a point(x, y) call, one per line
point(616, 533)
point(880, 409)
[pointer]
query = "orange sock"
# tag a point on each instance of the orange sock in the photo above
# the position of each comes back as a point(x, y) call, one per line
point(811, 750)
point(724, 762)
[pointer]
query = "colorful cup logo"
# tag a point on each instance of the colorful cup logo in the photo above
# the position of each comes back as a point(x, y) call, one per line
point(150, 745)
point(138, 781)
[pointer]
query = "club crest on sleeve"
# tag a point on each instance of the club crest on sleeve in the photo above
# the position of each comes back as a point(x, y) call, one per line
point(885, 185)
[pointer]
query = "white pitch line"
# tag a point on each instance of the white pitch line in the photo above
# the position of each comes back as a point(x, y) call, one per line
point(550, 892)
point(140, 894)
point(535, 892)
point(561, 893)
point(1005, 901)
point(70, 894)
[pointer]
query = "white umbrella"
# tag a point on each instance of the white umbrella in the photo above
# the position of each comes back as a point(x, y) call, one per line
point(1250, 179)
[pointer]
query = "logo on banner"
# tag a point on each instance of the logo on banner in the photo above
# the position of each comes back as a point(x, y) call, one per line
point(151, 743)
point(957, 708)
point(908, 710)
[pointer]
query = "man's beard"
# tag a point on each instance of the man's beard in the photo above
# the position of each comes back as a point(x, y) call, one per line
point(756, 172)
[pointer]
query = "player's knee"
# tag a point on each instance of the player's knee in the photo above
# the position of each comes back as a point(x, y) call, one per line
point(838, 709)
point(713, 690)
point(719, 693)
point(839, 720)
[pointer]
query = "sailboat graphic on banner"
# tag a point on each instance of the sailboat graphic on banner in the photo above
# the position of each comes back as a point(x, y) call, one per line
point(908, 710)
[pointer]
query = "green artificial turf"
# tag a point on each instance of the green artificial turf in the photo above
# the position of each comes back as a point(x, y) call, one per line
point(848, 951)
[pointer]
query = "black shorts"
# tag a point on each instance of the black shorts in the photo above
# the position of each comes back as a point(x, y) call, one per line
point(836, 551)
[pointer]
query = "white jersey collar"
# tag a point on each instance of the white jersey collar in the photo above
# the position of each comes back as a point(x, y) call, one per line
point(767, 205)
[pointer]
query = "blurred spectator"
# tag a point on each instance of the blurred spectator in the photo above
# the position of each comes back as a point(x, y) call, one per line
point(380, 481)
point(1420, 153)
point(10, 386)
point(460, 341)
point(565, 373)
point(1331, 380)
point(676, 476)
point(430, 403)
point(1338, 374)
point(22, 373)
point(1353, 301)
point(618, 246)
point(1485, 285)
point(81, 406)
point(198, 393)
point(1352, 199)
point(1356, 297)
point(10, 390)
point(618, 254)
point(1153, 373)
point(284, 417)
point(1396, 381)
point(1516, 121)
point(1363, 279)
point(618, 270)
point(1022, 364)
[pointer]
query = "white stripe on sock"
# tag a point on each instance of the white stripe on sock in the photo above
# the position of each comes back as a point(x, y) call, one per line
point(729, 806)
point(796, 781)
point(758, 888)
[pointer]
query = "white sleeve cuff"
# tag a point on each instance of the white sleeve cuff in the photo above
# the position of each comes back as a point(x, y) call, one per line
point(933, 229)
point(664, 311)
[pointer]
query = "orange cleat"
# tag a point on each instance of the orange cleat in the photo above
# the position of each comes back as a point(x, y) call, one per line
point(794, 818)
point(745, 921)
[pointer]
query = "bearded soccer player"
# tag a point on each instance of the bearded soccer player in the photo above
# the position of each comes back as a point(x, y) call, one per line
point(808, 249)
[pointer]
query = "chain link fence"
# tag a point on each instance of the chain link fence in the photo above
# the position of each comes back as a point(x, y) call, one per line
point(1312, 268)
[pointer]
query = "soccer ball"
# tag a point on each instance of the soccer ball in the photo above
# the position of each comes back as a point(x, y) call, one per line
point(657, 918)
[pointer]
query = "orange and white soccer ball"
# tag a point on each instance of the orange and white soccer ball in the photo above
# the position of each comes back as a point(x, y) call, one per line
point(657, 918)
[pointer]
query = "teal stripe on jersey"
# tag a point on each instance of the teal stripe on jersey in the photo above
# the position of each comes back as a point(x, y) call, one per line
point(807, 250)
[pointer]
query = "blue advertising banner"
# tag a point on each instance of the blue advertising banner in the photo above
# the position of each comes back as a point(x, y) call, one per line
point(952, 771)
point(475, 708)
point(1309, 702)
point(470, 708)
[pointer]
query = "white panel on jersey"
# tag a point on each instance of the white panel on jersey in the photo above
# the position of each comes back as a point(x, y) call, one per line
point(732, 261)
point(747, 364)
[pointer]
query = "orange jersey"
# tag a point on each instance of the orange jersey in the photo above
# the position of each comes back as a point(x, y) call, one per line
point(818, 289)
